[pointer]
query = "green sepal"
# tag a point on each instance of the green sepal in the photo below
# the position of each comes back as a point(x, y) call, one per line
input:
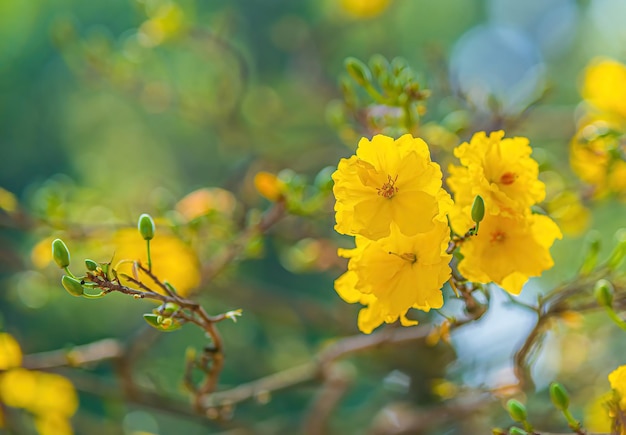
point(559, 396)
point(60, 253)
point(358, 71)
point(517, 410)
point(73, 286)
point(146, 226)
point(155, 320)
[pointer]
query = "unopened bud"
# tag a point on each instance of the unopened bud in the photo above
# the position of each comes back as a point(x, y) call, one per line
point(378, 65)
point(517, 410)
point(478, 209)
point(60, 253)
point(517, 431)
point(619, 252)
point(91, 265)
point(559, 396)
point(603, 291)
point(146, 226)
point(73, 286)
point(358, 71)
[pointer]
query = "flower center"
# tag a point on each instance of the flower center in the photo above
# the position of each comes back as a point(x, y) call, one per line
point(389, 188)
point(498, 237)
point(508, 178)
point(407, 256)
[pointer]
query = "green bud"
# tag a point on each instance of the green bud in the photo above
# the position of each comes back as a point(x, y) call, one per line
point(168, 308)
point(517, 431)
point(517, 410)
point(603, 291)
point(478, 209)
point(60, 253)
point(619, 252)
point(323, 180)
point(358, 71)
point(559, 396)
point(73, 286)
point(91, 265)
point(170, 287)
point(591, 256)
point(146, 226)
point(378, 65)
point(160, 323)
point(397, 65)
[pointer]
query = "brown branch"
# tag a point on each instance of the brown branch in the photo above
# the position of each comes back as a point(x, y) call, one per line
point(97, 351)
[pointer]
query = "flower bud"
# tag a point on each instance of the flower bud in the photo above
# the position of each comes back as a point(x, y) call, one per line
point(517, 410)
point(73, 286)
point(603, 291)
point(591, 255)
point(478, 209)
point(517, 431)
point(91, 265)
point(358, 71)
point(162, 324)
point(378, 65)
point(146, 226)
point(60, 253)
point(559, 396)
point(619, 252)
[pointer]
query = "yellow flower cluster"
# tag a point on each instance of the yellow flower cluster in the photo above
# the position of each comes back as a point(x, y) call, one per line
point(389, 196)
point(512, 243)
point(49, 397)
point(607, 413)
point(598, 149)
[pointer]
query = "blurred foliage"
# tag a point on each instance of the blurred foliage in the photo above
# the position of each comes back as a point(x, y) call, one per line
point(204, 113)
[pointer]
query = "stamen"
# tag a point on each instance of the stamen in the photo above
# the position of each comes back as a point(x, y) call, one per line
point(407, 256)
point(508, 178)
point(498, 237)
point(389, 189)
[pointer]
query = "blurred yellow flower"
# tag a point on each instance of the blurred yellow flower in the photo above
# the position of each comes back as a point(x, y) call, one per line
point(10, 352)
point(18, 388)
point(41, 254)
point(8, 201)
point(269, 186)
point(508, 250)
point(394, 274)
point(604, 86)
point(203, 201)
point(597, 156)
point(53, 424)
point(597, 414)
point(364, 8)
point(387, 181)
point(500, 170)
point(569, 213)
point(172, 259)
point(617, 379)
point(166, 22)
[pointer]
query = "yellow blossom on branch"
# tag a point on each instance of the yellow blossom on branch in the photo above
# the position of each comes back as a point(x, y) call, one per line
point(617, 379)
point(508, 251)
point(10, 352)
point(500, 170)
point(604, 86)
point(387, 181)
point(394, 274)
point(364, 8)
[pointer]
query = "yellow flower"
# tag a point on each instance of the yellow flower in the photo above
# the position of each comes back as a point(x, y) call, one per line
point(604, 86)
point(53, 424)
point(364, 8)
point(204, 201)
point(394, 274)
point(500, 170)
point(597, 414)
point(509, 250)
point(269, 186)
point(387, 181)
point(570, 214)
point(10, 352)
point(617, 379)
point(597, 157)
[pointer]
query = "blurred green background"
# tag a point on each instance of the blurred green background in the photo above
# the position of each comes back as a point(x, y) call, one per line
point(111, 109)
